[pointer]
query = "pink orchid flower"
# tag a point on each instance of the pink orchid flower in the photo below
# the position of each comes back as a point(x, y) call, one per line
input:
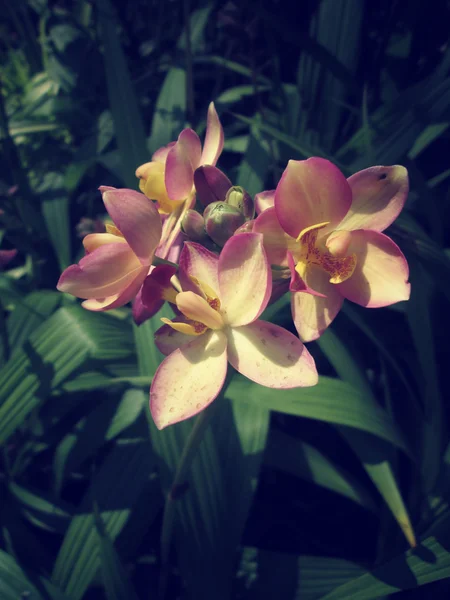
point(116, 262)
point(327, 230)
point(219, 307)
point(169, 177)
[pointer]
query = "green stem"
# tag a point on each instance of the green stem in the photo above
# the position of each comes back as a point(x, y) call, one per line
point(176, 490)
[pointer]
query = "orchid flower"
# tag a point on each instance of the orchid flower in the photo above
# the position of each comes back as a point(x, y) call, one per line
point(116, 262)
point(328, 231)
point(219, 307)
point(169, 177)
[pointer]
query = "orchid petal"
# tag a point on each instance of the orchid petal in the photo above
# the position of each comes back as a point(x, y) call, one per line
point(138, 220)
point(379, 194)
point(196, 308)
point(168, 339)
point(277, 243)
point(264, 200)
point(297, 283)
point(271, 356)
point(156, 290)
point(381, 274)
point(211, 184)
point(213, 145)
point(106, 271)
point(161, 154)
point(182, 160)
point(189, 379)
point(245, 279)
point(198, 262)
point(124, 297)
point(310, 192)
point(94, 240)
point(311, 313)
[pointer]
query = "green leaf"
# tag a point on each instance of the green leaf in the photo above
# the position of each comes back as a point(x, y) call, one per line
point(128, 123)
point(115, 489)
point(331, 400)
point(429, 562)
point(115, 579)
point(54, 351)
point(289, 454)
point(169, 117)
point(427, 137)
point(376, 455)
point(255, 164)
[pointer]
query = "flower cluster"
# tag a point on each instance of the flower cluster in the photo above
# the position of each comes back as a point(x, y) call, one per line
point(190, 238)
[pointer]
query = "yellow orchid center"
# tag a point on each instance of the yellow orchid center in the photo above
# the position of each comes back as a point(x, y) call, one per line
point(152, 184)
point(330, 257)
point(202, 312)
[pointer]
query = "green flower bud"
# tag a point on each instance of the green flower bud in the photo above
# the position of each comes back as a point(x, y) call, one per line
point(238, 197)
point(193, 225)
point(221, 221)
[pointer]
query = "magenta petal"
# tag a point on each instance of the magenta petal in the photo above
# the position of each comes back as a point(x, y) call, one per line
point(211, 184)
point(271, 356)
point(381, 274)
point(188, 380)
point(313, 314)
point(138, 220)
point(310, 192)
point(198, 262)
point(213, 145)
point(264, 200)
point(379, 194)
point(140, 312)
point(182, 160)
point(245, 279)
point(161, 154)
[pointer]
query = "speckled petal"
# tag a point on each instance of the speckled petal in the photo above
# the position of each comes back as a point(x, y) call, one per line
point(312, 314)
point(381, 274)
point(188, 380)
point(379, 194)
point(271, 356)
point(245, 279)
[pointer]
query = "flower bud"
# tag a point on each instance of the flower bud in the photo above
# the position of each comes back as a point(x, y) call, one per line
point(211, 184)
point(239, 198)
point(221, 221)
point(193, 225)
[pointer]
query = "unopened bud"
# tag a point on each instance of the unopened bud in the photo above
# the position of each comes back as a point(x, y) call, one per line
point(193, 225)
point(221, 221)
point(239, 198)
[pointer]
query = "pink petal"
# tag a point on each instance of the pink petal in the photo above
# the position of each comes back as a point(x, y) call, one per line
point(128, 294)
point(106, 271)
point(138, 220)
point(94, 240)
point(277, 243)
point(381, 273)
point(196, 308)
point(310, 192)
point(379, 194)
point(271, 356)
point(182, 160)
point(213, 145)
point(6, 256)
point(196, 261)
point(161, 154)
point(312, 314)
point(211, 184)
point(156, 289)
point(264, 200)
point(168, 339)
point(245, 279)
point(188, 380)
point(297, 283)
